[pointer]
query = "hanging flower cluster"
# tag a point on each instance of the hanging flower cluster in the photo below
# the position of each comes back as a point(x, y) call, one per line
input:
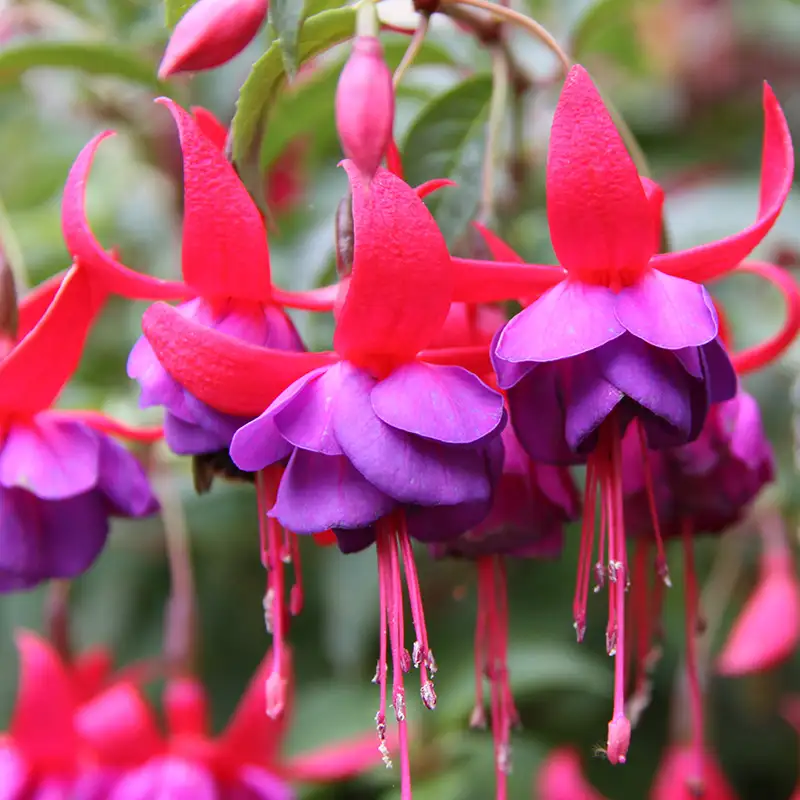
point(436, 418)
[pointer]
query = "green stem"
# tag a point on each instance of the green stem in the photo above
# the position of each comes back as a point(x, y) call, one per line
point(412, 51)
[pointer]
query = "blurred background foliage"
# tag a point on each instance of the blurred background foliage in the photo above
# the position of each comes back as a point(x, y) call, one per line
point(687, 76)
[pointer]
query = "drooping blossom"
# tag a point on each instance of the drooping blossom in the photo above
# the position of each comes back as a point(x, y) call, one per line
point(624, 336)
point(532, 502)
point(244, 762)
point(385, 440)
point(61, 475)
point(211, 33)
point(678, 777)
point(560, 777)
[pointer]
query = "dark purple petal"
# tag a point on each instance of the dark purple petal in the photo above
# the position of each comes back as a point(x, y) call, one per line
point(569, 319)
point(354, 540)
point(408, 468)
point(257, 784)
point(189, 439)
point(667, 312)
point(445, 404)
point(170, 778)
point(45, 539)
point(720, 375)
point(124, 481)
point(53, 458)
point(538, 418)
point(306, 421)
point(318, 492)
point(259, 443)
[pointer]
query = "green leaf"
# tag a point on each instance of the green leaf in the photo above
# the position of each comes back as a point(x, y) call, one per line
point(286, 17)
point(258, 94)
point(93, 58)
point(313, 7)
point(446, 141)
point(175, 9)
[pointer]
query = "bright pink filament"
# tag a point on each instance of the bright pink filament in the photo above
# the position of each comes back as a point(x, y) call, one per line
point(491, 647)
point(661, 559)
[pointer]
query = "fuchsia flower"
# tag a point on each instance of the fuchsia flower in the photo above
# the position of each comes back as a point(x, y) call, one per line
point(211, 33)
point(560, 777)
point(61, 475)
point(678, 778)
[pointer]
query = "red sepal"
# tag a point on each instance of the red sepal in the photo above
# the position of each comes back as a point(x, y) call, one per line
point(213, 129)
point(337, 762)
point(777, 167)
point(42, 724)
point(394, 162)
point(104, 424)
point(35, 371)
point(85, 249)
point(497, 247)
point(429, 187)
point(224, 240)
point(478, 281)
point(402, 279)
point(226, 373)
point(36, 302)
point(474, 358)
point(323, 299)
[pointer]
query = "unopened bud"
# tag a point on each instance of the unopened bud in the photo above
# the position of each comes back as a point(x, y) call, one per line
point(9, 314)
point(211, 33)
point(365, 105)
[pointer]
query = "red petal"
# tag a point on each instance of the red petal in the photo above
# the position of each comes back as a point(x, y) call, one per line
point(35, 371)
point(119, 726)
point(431, 186)
point(100, 422)
point(337, 762)
point(224, 240)
point(252, 736)
point(402, 279)
point(599, 216)
point(497, 247)
point(478, 281)
point(82, 245)
point(226, 373)
point(90, 672)
point(210, 126)
point(36, 302)
point(42, 724)
point(777, 167)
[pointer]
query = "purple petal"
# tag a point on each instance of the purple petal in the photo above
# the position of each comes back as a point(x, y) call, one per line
point(653, 378)
point(720, 375)
point(53, 458)
point(259, 443)
point(691, 360)
point(667, 312)
point(168, 778)
point(257, 784)
point(307, 421)
point(569, 319)
point(44, 539)
point(189, 439)
point(589, 397)
point(124, 481)
point(354, 540)
point(408, 468)
point(446, 404)
point(538, 417)
point(742, 418)
point(318, 492)
point(157, 386)
point(224, 425)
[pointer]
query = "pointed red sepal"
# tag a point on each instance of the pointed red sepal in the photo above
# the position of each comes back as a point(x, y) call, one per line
point(655, 198)
point(119, 727)
point(322, 299)
point(394, 162)
point(478, 281)
point(475, 359)
point(228, 374)
point(36, 302)
point(35, 371)
point(761, 354)
point(324, 539)
point(224, 240)
point(85, 249)
point(104, 424)
point(42, 723)
point(500, 250)
point(211, 127)
point(337, 762)
point(429, 187)
point(91, 671)
point(402, 279)
point(252, 736)
point(777, 168)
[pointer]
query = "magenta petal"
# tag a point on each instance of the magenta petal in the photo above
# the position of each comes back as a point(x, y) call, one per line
point(53, 459)
point(259, 443)
point(447, 404)
point(13, 774)
point(319, 492)
point(667, 312)
point(408, 468)
point(170, 778)
point(306, 421)
point(258, 784)
point(569, 319)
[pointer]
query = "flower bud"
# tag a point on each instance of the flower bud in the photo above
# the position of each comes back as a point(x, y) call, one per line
point(365, 105)
point(9, 315)
point(211, 33)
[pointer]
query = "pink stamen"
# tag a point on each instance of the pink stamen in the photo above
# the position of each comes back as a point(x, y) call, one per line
point(296, 596)
point(478, 717)
point(662, 569)
point(585, 557)
point(384, 584)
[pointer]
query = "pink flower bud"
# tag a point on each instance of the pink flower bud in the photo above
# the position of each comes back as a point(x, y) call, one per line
point(365, 105)
point(561, 778)
point(211, 33)
point(678, 778)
